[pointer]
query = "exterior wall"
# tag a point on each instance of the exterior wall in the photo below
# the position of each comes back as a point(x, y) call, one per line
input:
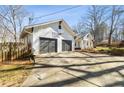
point(50, 31)
point(87, 42)
point(28, 39)
point(78, 44)
point(66, 36)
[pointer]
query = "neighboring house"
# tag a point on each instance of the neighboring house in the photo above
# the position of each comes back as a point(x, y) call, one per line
point(52, 36)
point(84, 42)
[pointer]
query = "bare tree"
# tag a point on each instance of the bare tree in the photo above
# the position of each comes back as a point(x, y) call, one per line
point(96, 18)
point(80, 28)
point(122, 30)
point(114, 19)
point(12, 19)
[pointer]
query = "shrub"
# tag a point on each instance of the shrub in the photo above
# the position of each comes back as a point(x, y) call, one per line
point(113, 51)
point(105, 44)
point(121, 44)
point(117, 51)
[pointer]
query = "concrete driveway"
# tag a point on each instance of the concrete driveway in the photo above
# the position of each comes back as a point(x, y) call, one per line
point(76, 69)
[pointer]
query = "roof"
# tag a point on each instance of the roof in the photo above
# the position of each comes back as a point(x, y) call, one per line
point(27, 29)
point(44, 23)
point(81, 36)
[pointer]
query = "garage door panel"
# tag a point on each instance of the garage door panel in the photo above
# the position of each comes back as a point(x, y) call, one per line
point(43, 46)
point(48, 45)
point(66, 45)
point(52, 46)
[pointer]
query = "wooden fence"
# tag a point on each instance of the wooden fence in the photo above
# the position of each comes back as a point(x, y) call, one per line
point(10, 52)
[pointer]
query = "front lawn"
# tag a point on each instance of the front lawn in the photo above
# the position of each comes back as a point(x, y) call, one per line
point(113, 51)
point(13, 74)
point(102, 48)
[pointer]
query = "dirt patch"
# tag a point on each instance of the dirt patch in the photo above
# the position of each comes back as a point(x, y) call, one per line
point(14, 74)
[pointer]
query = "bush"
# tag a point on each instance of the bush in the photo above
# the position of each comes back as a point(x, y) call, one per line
point(117, 51)
point(121, 44)
point(112, 51)
point(113, 44)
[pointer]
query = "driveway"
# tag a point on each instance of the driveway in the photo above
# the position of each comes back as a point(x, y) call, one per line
point(76, 69)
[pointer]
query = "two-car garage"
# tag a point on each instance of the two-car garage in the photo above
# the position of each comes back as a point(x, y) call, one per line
point(47, 37)
point(48, 45)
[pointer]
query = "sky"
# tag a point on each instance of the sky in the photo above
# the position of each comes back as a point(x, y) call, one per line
point(72, 16)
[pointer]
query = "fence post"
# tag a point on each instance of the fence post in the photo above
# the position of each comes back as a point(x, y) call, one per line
point(10, 51)
point(15, 54)
point(5, 55)
point(12, 55)
point(2, 55)
point(18, 53)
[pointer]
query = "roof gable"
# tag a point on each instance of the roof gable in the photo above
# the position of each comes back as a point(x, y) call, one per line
point(27, 29)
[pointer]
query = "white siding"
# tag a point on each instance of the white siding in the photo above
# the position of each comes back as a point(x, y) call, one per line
point(87, 42)
point(28, 39)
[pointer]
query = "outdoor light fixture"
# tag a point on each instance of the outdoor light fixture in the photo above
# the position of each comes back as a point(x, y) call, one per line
point(60, 28)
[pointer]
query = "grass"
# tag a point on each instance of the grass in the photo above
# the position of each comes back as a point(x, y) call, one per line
point(106, 50)
point(13, 74)
point(102, 48)
point(112, 51)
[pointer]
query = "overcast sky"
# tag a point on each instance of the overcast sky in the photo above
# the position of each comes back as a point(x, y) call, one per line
point(71, 16)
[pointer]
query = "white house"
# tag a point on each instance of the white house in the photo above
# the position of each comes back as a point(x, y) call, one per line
point(52, 36)
point(84, 42)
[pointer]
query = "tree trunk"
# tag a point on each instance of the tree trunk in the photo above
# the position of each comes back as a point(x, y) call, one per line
point(15, 43)
point(109, 40)
point(94, 42)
